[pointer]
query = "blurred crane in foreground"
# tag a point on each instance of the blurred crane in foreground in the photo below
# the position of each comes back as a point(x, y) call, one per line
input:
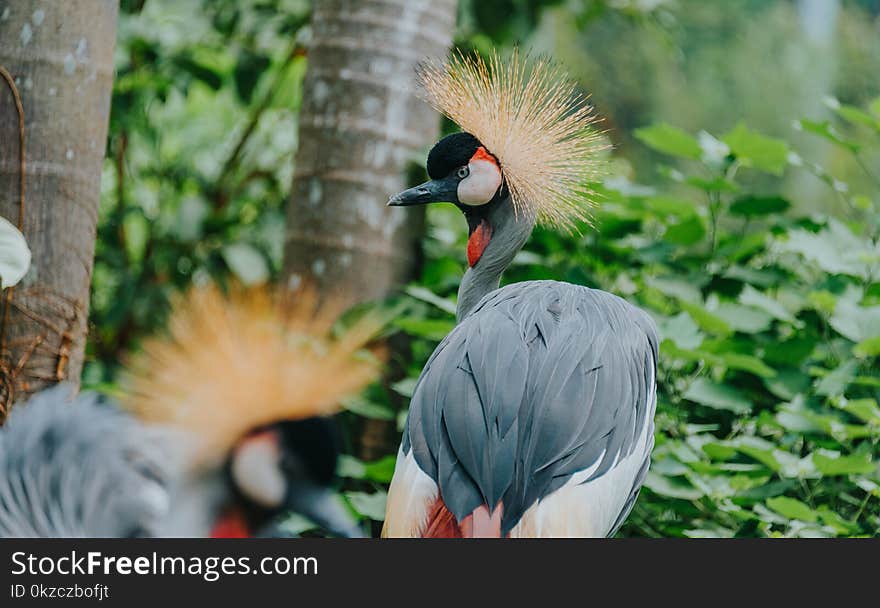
point(534, 416)
point(230, 432)
point(250, 379)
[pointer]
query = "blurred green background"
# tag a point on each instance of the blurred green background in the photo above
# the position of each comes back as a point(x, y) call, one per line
point(742, 213)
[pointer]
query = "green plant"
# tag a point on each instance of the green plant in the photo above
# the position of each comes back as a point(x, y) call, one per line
point(197, 170)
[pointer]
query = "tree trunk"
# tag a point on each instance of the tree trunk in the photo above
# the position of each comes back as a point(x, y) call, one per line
point(359, 125)
point(61, 57)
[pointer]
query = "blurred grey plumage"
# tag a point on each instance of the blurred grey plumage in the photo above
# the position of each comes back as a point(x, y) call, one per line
point(80, 467)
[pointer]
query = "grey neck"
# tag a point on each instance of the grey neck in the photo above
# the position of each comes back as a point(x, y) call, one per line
point(510, 231)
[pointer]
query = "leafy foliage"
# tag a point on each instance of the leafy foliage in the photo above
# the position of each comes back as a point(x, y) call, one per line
point(197, 171)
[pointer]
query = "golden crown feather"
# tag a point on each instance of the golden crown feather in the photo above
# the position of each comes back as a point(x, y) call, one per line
point(230, 363)
point(532, 117)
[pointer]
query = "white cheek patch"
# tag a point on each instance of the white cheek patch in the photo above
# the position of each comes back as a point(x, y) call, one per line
point(480, 186)
point(256, 473)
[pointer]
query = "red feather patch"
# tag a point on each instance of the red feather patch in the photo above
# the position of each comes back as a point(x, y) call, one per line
point(232, 524)
point(483, 154)
point(478, 241)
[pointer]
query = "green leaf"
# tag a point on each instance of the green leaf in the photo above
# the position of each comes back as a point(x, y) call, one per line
point(137, 233)
point(686, 232)
point(787, 383)
point(719, 451)
point(744, 247)
point(367, 505)
point(368, 409)
point(673, 487)
point(199, 71)
point(664, 206)
point(774, 488)
point(405, 387)
point(246, 262)
point(382, 470)
point(710, 531)
point(830, 463)
point(351, 467)
point(791, 508)
point(706, 320)
point(743, 318)
point(718, 184)
point(752, 206)
point(682, 330)
point(15, 255)
point(759, 449)
point(426, 295)
point(843, 527)
point(797, 422)
point(855, 322)
point(718, 396)
point(853, 114)
point(834, 249)
point(248, 70)
point(835, 383)
point(750, 296)
point(823, 301)
point(675, 288)
point(295, 524)
point(826, 131)
point(790, 352)
point(756, 150)
point(865, 410)
point(869, 347)
point(669, 140)
point(432, 329)
point(747, 363)
point(762, 277)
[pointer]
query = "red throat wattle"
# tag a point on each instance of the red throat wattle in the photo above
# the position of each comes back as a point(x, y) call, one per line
point(478, 241)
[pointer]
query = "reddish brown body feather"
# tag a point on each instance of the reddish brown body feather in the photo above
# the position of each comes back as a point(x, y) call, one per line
point(441, 522)
point(479, 524)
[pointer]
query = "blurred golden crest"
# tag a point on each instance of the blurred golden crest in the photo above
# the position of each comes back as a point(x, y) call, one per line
point(230, 363)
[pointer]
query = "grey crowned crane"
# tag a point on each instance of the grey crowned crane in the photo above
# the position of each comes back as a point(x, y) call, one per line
point(229, 433)
point(80, 467)
point(250, 378)
point(534, 416)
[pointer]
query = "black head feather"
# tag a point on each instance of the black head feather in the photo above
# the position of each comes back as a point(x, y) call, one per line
point(450, 153)
point(314, 441)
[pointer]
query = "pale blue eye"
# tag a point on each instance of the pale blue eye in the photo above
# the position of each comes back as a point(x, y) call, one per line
point(463, 172)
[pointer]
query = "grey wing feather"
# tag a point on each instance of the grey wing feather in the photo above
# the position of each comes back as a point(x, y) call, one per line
point(542, 380)
point(80, 468)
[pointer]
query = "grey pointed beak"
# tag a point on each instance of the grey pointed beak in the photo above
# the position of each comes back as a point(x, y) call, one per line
point(434, 191)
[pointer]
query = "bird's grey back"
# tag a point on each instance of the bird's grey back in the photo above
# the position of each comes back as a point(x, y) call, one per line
point(80, 468)
point(540, 381)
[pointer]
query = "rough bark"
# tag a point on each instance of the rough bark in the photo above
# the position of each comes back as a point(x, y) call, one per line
point(360, 124)
point(61, 56)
